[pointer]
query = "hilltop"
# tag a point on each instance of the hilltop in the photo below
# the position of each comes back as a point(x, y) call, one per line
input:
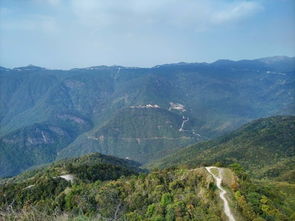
point(103, 187)
point(87, 168)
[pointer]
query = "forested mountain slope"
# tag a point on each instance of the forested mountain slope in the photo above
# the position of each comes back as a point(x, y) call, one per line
point(265, 147)
point(48, 114)
point(140, 133)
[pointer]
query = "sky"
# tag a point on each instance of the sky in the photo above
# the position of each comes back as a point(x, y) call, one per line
point(82, 33)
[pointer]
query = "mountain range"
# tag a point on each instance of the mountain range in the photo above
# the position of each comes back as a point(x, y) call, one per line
point(137, 113)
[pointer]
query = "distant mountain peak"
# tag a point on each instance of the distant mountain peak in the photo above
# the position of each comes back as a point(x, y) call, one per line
point(223, 62)
point(29, 68)
point(104, 67)
point(4, 69)
point(274, 59)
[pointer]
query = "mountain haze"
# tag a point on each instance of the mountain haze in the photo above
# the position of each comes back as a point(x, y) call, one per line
point(139, 113)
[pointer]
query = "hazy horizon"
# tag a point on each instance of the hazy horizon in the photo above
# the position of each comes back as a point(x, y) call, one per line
point(118, 65)
point(136, 33)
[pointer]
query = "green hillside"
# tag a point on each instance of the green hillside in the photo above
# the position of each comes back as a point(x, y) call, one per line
point(106, 188)
point(88, 168)
point(216, 98)
point(265, 147)
point(38, 143)
point(139, 133)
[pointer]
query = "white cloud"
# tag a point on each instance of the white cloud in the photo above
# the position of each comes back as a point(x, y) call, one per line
point(126, 32)
point(197, 13)
point(236, 12)
point(131, 14)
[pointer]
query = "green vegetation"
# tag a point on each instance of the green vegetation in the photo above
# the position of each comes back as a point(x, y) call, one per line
point(41, 193)
point(88, 168)
point(263, 201)
point(49, 114)
point(265, 148)
point(169, 194)
point(33, 145)
point(137, 133)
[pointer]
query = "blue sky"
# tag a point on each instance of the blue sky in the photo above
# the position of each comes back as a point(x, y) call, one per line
point(81, 33)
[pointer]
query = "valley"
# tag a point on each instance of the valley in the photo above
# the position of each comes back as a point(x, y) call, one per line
point(139, 113)
point(173, 142)
point(141, 110)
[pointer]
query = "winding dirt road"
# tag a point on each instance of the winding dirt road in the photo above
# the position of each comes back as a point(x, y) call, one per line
point(184, 120)
point(222, 193)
